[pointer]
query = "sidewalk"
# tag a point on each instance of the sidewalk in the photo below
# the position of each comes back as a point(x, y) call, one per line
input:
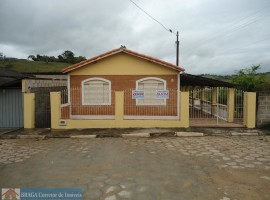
point(153, 132)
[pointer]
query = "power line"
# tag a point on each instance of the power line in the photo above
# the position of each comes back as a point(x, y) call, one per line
point(163, 26)
point(167, 29)
point(245, 48)
point(235, 26)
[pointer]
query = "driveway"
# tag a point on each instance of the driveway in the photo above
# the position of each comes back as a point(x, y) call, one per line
point(216, 168)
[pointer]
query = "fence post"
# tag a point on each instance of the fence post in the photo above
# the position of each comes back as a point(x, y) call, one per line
point(184, 108)
point(250, 109)
point(55, 109)
point(214, 101)
point(230, 105)
point(29, 110)
point(119, 108)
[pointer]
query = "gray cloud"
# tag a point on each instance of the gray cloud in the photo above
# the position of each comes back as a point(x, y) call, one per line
point(215, 36)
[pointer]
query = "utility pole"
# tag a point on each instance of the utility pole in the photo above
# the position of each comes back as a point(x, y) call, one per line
point(177, 49)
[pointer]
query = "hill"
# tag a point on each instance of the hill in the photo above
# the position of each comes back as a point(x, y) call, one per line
point(227, 78)
point(27, 66)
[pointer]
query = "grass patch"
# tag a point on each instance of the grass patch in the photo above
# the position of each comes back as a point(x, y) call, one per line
point(33, 66)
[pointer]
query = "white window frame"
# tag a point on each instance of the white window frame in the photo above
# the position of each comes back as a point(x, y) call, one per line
point(151, 78)
point(96, 79)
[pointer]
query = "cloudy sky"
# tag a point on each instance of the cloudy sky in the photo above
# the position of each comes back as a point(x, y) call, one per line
point(217, 37)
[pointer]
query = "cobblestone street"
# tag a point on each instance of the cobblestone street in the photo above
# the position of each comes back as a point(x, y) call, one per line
point(144, 168)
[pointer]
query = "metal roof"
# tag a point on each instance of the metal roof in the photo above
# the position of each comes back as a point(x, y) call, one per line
point(194, 80)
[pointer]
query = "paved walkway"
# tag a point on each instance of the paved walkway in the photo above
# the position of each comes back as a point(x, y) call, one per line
point(146, 168)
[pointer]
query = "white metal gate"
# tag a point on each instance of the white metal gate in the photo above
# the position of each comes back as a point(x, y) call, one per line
point(215, 106)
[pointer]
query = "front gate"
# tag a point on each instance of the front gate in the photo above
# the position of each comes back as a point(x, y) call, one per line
point(11, 108)
point(43, 106)
point(42, 110)
point(216, 106)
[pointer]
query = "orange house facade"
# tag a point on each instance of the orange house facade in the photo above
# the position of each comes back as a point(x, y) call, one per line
point(120, 88)
point(92, 84)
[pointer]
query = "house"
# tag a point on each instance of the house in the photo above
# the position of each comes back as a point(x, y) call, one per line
point(92, 84)
point(149, 85)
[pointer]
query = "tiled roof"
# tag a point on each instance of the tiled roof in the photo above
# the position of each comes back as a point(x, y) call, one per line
point(121, 50)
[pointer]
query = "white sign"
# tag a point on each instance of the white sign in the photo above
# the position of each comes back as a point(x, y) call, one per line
point(137, 94)
point(162, 94)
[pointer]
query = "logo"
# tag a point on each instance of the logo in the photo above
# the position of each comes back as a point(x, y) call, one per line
point(10, 194)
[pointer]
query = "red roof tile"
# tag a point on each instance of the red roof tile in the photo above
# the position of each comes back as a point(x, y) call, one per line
point(119, 50)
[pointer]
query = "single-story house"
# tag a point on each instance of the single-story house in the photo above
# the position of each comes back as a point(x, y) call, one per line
point(92, 83)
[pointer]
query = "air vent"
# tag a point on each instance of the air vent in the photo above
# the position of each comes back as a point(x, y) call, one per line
point(62, 122)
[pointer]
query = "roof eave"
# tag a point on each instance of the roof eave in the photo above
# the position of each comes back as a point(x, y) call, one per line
point(115, 51)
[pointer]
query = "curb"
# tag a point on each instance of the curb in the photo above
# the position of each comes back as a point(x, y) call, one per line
point(31, 137)
point(245, 134)
point(189, 134)
point(10, 131)
point(135, 135)
point(82, 136)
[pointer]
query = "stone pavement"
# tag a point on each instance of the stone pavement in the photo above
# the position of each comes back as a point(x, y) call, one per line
point(144, 168)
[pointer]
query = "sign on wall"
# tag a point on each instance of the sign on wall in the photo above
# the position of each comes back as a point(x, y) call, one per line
point(137, 94)
point(162, 94)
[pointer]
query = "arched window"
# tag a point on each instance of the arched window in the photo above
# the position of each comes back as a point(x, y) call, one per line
point(150, 86)
point(96, 91)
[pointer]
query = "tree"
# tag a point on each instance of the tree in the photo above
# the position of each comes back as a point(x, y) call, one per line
point(32, 57)
point(68, 56)
point(1, 56)
point(247, 79)
point(39, 57)
point(79, 59)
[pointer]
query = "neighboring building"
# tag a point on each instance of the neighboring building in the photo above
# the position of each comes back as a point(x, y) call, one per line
point(11, 98)
point(12, 87)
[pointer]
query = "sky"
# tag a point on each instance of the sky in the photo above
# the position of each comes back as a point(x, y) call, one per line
point(216, 37)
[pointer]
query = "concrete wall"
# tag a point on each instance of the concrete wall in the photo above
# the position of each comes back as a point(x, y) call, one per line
point(119, 121)
point(29, 84)
point(263, 109)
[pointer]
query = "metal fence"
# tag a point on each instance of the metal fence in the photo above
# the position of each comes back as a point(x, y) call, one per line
point(151, 107)
point(64, 96)
point(238, 106)
point(76, 109)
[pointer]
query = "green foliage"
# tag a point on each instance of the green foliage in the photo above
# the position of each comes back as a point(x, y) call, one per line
point(32, 57)
point(66, 57)
point(69, 57)
point(247, 79)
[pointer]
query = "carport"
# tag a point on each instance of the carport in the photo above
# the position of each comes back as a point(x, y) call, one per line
point(213, 103)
